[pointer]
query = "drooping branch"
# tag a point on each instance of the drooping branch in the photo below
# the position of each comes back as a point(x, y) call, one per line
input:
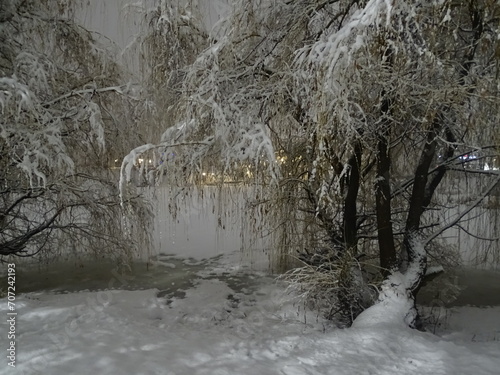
point(463, 213)
point(17, 245)
point(116, 89)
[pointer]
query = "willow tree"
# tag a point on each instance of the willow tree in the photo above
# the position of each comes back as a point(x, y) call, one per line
point(61, 104)
point(347, 118)
point(173, 35)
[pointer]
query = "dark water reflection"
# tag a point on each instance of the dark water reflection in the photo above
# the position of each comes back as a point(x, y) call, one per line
point(171, 275)
point(167, 273)
point(463, 287)
point(164, 272)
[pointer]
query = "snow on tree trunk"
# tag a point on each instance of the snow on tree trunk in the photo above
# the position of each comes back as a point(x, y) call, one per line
point(396, 301)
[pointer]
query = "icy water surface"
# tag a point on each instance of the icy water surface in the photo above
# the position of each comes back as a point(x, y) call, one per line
point(172, 276)
point(167, 273)
point(463, 287)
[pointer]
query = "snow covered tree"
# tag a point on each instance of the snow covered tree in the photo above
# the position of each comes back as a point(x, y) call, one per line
point(351, 120)
point(63, 123)
point(175, 36)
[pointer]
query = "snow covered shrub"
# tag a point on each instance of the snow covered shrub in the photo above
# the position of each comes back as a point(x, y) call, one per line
point(333, 285)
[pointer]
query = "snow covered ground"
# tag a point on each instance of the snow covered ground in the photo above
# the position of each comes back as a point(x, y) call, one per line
point(227, 322)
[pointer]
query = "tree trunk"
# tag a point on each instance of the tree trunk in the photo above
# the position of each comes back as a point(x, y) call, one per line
point(385, 233)
point(350, 210)
point(418, 198)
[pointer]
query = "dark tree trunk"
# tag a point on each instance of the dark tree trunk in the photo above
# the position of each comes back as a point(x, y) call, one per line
point(350, 210)
point(441, 171)
point(414, 258)
point(419, 198)
point(385, 233)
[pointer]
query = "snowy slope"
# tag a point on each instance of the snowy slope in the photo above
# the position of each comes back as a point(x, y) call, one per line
point(219, 326)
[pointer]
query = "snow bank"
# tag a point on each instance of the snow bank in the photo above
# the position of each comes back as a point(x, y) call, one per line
point(231, 326)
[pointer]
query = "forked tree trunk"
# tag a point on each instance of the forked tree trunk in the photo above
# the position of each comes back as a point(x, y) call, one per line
point(396, 302)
